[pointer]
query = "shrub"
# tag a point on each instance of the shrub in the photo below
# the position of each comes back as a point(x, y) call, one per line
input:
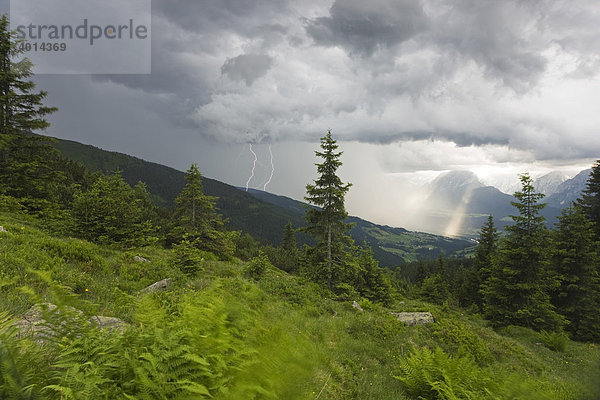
point(10, 204)
point(367, 304)
point(293, 290)
point(555, 341)
point(189, 258)
point(258, 266)
point(376, 325)
point(72, 250)
point(435, 289)
point(457, 339)
point(345, 292)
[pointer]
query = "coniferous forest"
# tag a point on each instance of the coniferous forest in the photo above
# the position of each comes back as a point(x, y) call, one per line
point(236, 318)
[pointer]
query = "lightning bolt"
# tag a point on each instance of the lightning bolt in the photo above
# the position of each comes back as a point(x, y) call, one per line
point(253, 167)
point(272, 169)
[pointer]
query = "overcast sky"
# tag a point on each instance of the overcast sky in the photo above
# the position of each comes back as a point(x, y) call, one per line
point(409, 88)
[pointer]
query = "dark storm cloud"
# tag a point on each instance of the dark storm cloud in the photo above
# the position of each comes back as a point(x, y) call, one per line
point(247, 67)
point(461, 139)
point(501, 36)
point(362, 27)
point(383, 71)
point(491, 33)
point(245, 17)
point(189, 45)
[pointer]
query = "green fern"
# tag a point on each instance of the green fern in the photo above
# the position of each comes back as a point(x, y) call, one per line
point(161, 362)
point(86, 365)
point(435, 375)
point(16, 376)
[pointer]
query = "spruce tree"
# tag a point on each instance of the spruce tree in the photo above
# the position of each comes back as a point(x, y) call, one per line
point(286, 257)
point(590, 199)
point(422, 272)
point(326, 223)
point(194, 208)
point(112, 212)
point(196, 218)
point(517, 289)
point(288, 242)
point(486, 248)
point(575, 261)
point(24, 157)
point(373, 283)
point(21, 111)
point(435, 289)
point(466, 287)
point(440, 267)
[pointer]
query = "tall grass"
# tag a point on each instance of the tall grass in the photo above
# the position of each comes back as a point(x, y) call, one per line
point(225, 330)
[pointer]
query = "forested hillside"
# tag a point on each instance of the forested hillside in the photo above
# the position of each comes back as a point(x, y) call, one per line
point(261, 214)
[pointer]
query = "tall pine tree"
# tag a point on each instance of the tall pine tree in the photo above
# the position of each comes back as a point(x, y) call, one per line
point(24, 169)
point(486, 248)
point(517, 289)
point(575, 261)
point(590, 199)
point(326, 223)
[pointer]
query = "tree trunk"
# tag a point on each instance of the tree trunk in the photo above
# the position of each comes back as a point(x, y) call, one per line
point(194, 210)
point(329, 263)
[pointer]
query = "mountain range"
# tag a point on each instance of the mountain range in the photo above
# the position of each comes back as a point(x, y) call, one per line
point(457, 203)
point(569, 190)
point(549, 184)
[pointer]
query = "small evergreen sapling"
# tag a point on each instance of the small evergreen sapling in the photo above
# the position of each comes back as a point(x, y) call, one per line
point(196, 216)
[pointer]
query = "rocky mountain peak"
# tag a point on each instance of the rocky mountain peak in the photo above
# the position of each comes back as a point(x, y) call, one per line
point(549, 183)
point(457, 180)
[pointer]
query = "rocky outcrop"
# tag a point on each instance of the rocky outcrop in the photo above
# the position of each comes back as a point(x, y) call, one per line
point(35, 325)
point(357, 306)
point(108, 323)
point(2, 229)
point(140, 259)
point(157, 286)
point(414, 318)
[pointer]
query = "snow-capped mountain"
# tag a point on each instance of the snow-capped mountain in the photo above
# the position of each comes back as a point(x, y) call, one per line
point(458, 200)
point(451, 188)
point(569, 191)
point(549, 183)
